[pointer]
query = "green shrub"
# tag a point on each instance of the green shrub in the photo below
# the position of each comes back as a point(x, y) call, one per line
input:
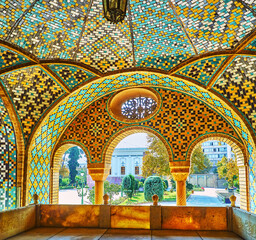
point(128, 185)
point(64, 182)
point(173, 184)
point(166, 183)
point(136, 187)
point(153, 185)
point(141, 184)
point(189, 186)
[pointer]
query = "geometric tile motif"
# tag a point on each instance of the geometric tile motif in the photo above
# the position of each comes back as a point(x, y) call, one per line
point(60, 116)
point(214, 25)
point(105, 46)
point(32, 92)
point(181, 120)
point(9, 58)
point(72, 76)
point(7, 161)
point(10, 11)
point(251, 46)
point(251, 4)
point(159, 39)
point(50, 29)
point(203, 70)
point(237, 84)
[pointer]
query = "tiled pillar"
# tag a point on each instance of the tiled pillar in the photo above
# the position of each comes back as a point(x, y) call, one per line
point(180, 174)
point(98, 175)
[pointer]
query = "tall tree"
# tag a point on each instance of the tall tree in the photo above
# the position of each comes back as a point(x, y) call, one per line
point(156, 159)
point(74, 155)
point(200, 163)
point(228, 169)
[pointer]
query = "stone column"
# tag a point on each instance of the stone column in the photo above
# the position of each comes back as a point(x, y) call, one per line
point(99, 192)
point(180, 174)
point(99, 175)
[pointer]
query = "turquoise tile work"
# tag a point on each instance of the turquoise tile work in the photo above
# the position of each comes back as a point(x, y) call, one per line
point(10, 12)
point(50, 29)
point(202, 70)
point(62, 115)
point(7, 161)
point(72, 76)
point(10, 58)
point(160, 42)
point(215, 25)
point(105, 46)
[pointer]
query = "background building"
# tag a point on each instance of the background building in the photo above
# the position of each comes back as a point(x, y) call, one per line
point(124, 161)
point(216, 150)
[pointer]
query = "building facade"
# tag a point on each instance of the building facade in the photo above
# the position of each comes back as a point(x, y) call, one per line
point(216, 150)
point(124, 161)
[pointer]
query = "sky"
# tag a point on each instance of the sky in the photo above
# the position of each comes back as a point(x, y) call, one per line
point(134, 141)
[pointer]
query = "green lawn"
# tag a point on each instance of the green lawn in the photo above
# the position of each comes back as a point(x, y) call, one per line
point(139, 198)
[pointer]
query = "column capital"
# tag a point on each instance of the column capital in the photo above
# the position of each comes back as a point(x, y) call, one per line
point(180, 173)
point(98, 174)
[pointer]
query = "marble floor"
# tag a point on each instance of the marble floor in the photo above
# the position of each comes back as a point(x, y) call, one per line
point(122, 234)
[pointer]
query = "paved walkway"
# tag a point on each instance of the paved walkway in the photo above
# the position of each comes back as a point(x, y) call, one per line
point(203, 198)
point(121, 234)
point(208, 197)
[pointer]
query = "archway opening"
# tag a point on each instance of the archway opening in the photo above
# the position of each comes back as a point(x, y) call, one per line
point(225, 175)
point(69, 175)
point(138, 154)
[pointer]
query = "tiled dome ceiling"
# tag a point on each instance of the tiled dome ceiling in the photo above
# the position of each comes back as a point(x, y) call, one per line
point(155, 33)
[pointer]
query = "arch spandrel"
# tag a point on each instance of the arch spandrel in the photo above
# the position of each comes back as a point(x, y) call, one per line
point(180, 120)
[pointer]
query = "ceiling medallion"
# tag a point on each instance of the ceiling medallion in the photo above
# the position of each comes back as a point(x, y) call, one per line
point(114, 10)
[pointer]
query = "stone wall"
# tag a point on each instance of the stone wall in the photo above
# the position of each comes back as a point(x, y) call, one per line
point(19, 220)
point(206, 180)
point(243, 223)
point(15, 221)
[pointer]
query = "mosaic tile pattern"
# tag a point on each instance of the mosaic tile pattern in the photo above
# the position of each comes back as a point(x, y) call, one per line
point(251, 4)
point(237, 84)
point(72, 76)
point(181, 120)
point(214, 25)
point(32, 92)
point(55, 122)
point(9, 58)
point(239, 87)
point(51, 29)
point(159, 39)
point(202, 70)
point(251, 46)
point(10, 12)
point(104, 45)
point(7, 161)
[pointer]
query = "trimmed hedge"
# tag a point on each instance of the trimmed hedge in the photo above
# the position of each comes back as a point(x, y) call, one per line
point(128, 185)
point(153, 185)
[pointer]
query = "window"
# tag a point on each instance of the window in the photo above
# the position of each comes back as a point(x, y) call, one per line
point(138, 108)
point(137, 170)
point(122, 170)
point(110, 171)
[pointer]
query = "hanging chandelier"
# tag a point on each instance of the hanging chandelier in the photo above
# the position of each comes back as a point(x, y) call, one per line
point(114, 10)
